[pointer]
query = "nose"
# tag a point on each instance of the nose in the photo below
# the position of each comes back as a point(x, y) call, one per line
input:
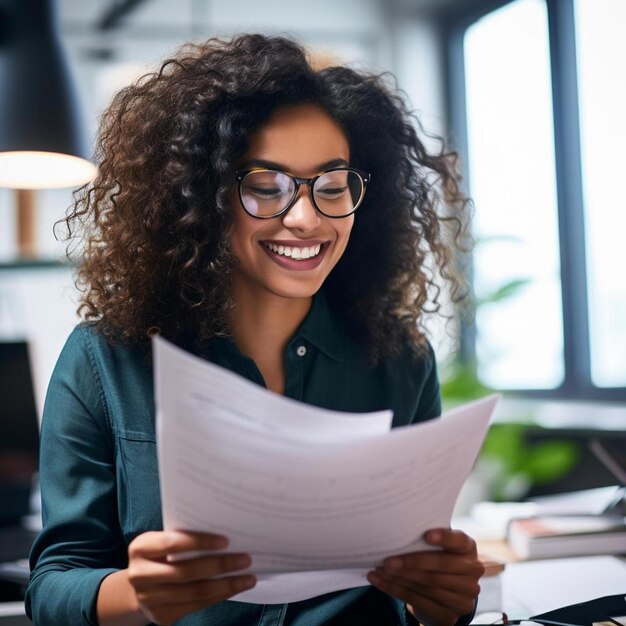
point(302, 215)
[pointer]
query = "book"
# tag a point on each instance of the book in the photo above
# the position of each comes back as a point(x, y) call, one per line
point(493, 518)
point(567, 535)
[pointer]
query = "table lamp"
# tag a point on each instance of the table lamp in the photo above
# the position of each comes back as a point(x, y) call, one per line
point(42, 141)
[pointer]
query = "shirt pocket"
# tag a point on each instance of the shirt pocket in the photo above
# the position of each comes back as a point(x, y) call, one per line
point(139, 499)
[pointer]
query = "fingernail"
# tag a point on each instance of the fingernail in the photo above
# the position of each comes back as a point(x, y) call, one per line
point(394, 564)
point(374, 578)
point(220, 542)
point(434, 536)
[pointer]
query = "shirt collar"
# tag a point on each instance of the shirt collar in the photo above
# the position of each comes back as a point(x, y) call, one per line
point(322, 328)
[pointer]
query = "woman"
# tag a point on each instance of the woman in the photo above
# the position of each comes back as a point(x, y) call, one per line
point(276, 220)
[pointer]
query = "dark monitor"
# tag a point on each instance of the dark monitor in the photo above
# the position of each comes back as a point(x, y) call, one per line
point(19, 431)
point(612, 454)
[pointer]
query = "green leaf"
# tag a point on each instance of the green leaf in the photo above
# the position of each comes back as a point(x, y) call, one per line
point(459, 384)
point(548, 461)
point(506, 291)
point(505, 442)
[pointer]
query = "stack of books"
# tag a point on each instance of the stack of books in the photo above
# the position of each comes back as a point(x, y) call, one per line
point(544, 536)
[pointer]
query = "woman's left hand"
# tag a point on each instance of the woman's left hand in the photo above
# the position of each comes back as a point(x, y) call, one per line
point(438, 586)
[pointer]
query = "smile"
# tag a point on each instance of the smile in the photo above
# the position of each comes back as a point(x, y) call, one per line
point(294, 252)
point(297, 258)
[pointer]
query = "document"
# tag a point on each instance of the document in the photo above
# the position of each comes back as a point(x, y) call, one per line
point(533, 587)
point(317, 498)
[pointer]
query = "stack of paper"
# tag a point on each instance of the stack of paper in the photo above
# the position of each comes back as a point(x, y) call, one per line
point(493, 518)
point(318, 498)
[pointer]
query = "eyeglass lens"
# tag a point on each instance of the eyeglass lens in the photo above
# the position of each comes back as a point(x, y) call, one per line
point(265, 193)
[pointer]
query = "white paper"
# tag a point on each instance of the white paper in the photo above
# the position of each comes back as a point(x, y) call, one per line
point(318, 498)
point(535, 587)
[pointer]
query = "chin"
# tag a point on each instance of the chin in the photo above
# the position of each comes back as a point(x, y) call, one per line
point(295, 293)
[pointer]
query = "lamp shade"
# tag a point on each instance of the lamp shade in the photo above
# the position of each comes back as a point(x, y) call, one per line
point(42, 140)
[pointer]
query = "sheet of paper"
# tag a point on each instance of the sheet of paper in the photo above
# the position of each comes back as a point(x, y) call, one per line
point(318, 498)
point(535, 587)
point(184, 379)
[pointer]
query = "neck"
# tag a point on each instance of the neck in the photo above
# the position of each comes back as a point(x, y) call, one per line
point(262, 324)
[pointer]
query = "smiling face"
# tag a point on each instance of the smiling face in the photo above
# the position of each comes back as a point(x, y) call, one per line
point(290, 256)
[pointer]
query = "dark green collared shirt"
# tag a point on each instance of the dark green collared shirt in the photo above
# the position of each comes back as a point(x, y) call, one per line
point(99, 474)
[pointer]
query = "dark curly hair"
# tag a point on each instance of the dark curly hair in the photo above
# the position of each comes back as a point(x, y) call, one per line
point(155, 224)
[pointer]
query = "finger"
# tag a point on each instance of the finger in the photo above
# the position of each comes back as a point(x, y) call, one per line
point(169, 613)
point(428, 611)
point(461, 598)
point(437, 562)
point(451, 540)
point(158, 544)
point(467, 585)
point(142, 572)
point(204, 592)
point(425, 609)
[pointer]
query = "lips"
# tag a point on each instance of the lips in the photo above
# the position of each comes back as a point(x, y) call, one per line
point(293, 255)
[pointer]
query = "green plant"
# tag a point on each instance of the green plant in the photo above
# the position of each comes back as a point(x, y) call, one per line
point(514, 465)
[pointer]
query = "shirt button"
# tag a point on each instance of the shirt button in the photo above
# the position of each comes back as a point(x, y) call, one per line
point(301, 350)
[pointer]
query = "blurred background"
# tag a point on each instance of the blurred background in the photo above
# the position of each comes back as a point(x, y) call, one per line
point(528, 92)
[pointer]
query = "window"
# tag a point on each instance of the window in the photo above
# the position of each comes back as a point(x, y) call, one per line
point(601, 50)
point(537, 108)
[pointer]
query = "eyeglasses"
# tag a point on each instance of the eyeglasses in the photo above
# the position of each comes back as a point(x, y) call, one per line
point(267, 193)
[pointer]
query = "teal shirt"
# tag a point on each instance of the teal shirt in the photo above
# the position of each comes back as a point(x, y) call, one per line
point(99, 474)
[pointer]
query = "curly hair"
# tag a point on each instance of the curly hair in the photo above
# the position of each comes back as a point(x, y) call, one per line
point(156, 222)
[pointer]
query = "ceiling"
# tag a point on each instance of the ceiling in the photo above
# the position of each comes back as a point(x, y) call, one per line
point(111, 15)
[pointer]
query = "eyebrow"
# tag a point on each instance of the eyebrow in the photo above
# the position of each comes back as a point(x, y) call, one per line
point(278, 166)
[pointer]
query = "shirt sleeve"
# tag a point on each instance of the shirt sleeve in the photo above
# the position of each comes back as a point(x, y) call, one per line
point(429, 405)
point(81, 541)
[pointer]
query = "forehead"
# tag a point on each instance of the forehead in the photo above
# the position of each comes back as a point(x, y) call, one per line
point(299, 139)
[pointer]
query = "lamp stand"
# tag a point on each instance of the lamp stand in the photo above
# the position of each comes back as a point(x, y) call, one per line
point(25, 221)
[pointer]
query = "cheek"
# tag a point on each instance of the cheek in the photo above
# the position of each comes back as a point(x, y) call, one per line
point(244, 229)
point(343, 231)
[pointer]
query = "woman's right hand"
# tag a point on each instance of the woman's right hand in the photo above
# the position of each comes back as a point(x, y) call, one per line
point(168, 590)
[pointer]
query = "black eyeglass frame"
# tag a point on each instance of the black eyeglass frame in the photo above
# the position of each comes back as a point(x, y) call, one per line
point(604, 609)
point(310, 182)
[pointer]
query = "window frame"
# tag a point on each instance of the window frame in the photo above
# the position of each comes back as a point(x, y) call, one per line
point(577, 382)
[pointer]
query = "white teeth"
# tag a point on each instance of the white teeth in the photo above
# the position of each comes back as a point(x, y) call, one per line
point(295, 252)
